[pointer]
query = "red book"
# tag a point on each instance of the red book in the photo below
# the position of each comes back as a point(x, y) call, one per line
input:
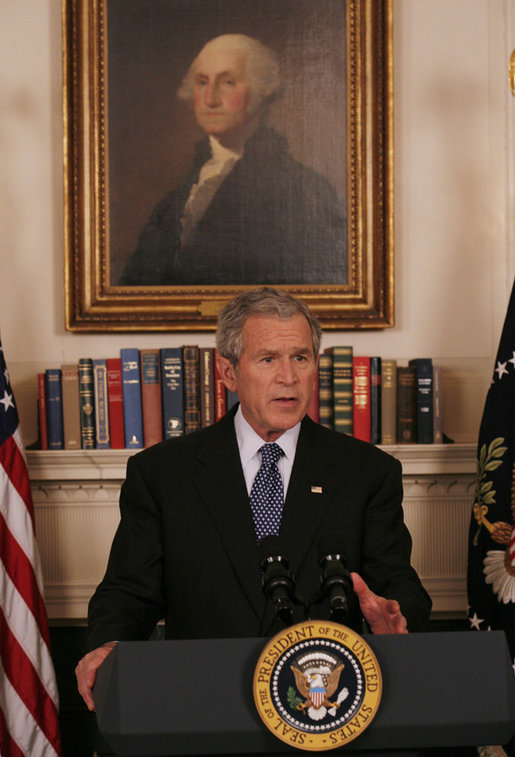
point(115, 400)
point(43, 429)
point(220, 396)
point(151, 397)
point(361, 397)
point(313, 407)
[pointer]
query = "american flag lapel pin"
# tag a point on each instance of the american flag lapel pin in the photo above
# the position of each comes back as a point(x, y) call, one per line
point(316, 490)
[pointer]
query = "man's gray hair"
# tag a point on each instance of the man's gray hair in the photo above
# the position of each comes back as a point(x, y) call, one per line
point(262, 65)
point(266, 302)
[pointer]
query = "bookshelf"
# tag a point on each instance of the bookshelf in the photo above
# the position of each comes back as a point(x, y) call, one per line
point(76, 503)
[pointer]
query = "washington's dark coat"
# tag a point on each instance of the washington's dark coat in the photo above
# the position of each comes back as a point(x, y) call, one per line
point(272, 221)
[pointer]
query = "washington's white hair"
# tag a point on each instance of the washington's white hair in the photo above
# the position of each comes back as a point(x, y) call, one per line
point(262, 65)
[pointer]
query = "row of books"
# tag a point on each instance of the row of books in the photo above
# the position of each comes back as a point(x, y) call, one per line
point(133, 401)
point(145, 396)
point(377, 400)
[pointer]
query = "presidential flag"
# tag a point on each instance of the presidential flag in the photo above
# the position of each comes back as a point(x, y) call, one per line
point(29, 725)
point(491, 558)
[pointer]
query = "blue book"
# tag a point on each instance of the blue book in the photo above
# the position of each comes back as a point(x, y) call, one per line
point(102, 436)
point(131, 388)
point(172, 389)
point(425, 399)
point(54, 408)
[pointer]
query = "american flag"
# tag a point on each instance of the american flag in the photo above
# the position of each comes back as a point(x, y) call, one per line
point(491, 565)
point(29, 724)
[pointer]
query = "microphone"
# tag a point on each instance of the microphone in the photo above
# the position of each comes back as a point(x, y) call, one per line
point(335, 579)
point(276, 578)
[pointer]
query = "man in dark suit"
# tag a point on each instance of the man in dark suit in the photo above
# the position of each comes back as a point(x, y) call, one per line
point(248, 212)
point(186, 549)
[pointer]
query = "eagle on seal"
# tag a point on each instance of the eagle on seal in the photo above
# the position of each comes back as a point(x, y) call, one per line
point(317, 686)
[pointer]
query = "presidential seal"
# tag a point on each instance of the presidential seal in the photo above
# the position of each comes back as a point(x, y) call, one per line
point(317, 685)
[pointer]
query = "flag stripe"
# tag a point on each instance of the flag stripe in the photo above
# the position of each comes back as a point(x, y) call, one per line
point(8, 745)
point(24, 737)
point(24, 627)
point(24, 678)
point(18, 520)
point(20, 571)
point(13, 461)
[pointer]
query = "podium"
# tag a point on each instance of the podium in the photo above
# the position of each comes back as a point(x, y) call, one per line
point(194, 697)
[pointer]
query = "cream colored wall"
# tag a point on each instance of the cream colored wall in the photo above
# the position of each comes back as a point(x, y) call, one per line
point(453, 268)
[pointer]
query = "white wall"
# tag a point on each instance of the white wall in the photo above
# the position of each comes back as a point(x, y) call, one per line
point(453, 259)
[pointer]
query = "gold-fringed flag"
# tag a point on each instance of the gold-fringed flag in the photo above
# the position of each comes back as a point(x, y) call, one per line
point(491, 558)
point(29, 724)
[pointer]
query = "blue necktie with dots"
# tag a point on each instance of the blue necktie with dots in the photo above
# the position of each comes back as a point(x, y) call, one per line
point(266, 495)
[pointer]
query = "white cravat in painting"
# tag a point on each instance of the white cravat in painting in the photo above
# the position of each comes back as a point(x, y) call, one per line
point(211, 176)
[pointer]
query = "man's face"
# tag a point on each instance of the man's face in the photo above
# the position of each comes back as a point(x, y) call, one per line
point(222, 92)
point(275, 375)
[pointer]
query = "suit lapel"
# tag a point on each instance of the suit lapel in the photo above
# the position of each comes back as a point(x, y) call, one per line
point(312, 487)
point(221, 486)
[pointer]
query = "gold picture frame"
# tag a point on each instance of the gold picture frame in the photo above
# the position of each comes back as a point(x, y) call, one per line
point(95, 301)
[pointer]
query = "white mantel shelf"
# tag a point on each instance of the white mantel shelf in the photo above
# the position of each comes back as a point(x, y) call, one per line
point(102, 465)
point(76, 505)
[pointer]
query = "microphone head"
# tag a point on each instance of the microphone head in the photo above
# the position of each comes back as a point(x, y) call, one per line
point(271, 549)
point(331, 547)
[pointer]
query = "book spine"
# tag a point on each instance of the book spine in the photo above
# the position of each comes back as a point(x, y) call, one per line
point(406, 405)
point(86, 403)
point(115, 402)
point(388, 401)
point(220, 397)
point(325, 390)
point(437, 405)
point(172, 387)
point(424, 382)
point(71, 409)
point(207, 386)
point(361, 397)
point(314, 404)
point(190, 356)
point(54, 408)
point(375, 400)
point(42, 419)
point(131, 387)
point(343, 414)
point(151, 397)
point(102, 436)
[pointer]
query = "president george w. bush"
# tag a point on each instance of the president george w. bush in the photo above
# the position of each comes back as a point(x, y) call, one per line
point(194, 509)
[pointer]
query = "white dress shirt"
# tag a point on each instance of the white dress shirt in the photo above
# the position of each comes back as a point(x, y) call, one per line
point(249, 443)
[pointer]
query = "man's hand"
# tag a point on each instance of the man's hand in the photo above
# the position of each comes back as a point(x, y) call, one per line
point(86, 672)
point(382, 615)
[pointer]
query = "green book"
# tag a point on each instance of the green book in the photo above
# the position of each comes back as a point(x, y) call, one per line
point(86, 403)
point(343, 415)
point(325, 390)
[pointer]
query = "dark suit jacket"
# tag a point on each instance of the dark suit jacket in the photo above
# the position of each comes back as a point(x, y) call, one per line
point(186, 551)
point(272, 221)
